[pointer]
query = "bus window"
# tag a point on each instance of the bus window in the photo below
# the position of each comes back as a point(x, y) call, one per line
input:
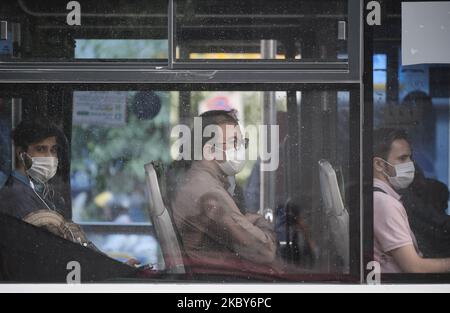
point(113, 133)
point(411, 117)
point(51, 31)
point(291, 39)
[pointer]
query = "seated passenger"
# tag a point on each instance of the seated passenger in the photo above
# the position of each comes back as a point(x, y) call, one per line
point(27, 194)
point(211, 225)
point(27, 189)
point(395, 245)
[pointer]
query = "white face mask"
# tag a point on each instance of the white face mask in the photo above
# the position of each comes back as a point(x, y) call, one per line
point(43, 169)
point(235, 161)
point(405, 175)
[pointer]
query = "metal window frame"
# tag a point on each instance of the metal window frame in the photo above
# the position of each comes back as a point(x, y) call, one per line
point(111, 74)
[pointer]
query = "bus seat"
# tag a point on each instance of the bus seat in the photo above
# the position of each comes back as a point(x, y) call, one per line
point(164, 227)
point(337, 214)
point(29, 254)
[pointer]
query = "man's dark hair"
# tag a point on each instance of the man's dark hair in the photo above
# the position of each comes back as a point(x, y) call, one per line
point(32, 132)
point(383, 140)
point(218, 118)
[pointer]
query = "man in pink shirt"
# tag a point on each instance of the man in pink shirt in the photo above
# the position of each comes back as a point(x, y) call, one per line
point(395, 246)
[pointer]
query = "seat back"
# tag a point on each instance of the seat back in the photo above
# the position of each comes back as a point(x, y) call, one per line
point(163, 224)
point(337, 215)
point(29, 254)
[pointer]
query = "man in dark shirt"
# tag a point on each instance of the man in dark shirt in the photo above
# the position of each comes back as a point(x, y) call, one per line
point(27, 189)
point(27, 194)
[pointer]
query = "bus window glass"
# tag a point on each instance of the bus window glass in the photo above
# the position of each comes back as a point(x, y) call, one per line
point(52, 31)
point(284, 31)
point(294, 190)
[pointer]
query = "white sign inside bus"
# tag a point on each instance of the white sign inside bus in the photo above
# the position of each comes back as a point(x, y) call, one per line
point(99, 108)
point(426, 32)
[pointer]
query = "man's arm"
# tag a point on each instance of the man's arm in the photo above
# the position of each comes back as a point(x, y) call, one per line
point(249, 237)
point(410, 262)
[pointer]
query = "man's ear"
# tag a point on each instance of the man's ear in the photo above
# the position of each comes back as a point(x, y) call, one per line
point(23, 158)
point(19, 151)
point(378, 165)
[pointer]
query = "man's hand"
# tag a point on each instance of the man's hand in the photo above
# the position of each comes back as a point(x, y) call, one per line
point(259, 221)
point(253, 218)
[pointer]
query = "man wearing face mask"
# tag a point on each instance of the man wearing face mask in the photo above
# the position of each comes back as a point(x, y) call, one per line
point(395, 246)
point(27, 194)
point(211, 225)
point(27, 189)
